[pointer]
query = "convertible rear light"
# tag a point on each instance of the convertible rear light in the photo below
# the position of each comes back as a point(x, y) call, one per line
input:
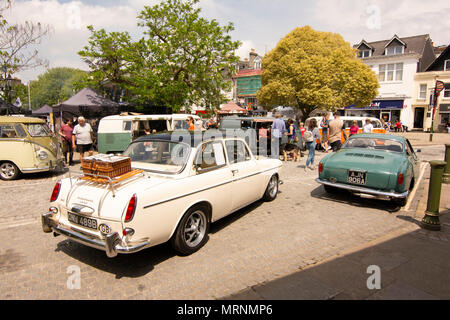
point(55, 192)
point(400, 178)
point(131, 208)
point(320, 167)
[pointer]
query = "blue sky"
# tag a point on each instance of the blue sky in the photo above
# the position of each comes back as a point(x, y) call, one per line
point(259, 24)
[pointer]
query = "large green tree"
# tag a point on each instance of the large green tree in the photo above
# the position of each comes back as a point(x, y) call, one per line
point(51, 87)
point(182, 59)
point(311, 70)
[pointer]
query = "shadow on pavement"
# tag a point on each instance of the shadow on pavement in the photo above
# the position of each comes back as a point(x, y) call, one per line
point(124, 265)
point(226, 221)
point(412, 266)
point(344, 196)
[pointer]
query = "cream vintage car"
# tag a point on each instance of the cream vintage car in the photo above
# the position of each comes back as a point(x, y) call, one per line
point(188, 181)
point(27, 146)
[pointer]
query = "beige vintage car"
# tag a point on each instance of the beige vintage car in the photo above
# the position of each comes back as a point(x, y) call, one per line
point(188, 181)
point(26, 146)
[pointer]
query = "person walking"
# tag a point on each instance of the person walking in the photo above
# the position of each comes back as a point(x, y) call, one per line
point(66, 132)
point(336, 127)
point(324, 124)
point(82, 137)
point(278, 129)
point(311, 135)
point(190, 121)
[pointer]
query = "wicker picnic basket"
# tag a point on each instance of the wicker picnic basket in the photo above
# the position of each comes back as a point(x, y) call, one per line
point(106, 165)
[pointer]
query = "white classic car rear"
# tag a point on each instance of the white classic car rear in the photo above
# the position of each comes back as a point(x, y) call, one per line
point(188, 181)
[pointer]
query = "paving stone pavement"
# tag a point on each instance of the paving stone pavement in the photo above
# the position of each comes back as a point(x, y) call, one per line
point(264, 241)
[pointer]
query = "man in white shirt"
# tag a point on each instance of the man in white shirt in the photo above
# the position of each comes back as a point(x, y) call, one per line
point(82, 137)
point(368, 127)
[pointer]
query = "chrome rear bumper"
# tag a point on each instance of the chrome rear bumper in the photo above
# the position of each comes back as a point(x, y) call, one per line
point(112, 244)
point(363, 190)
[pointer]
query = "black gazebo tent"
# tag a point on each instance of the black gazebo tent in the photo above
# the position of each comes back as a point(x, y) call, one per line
point(87, 103)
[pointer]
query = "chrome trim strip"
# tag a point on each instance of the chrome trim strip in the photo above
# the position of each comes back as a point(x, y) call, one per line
point(363, 190)
point(208, 188)
point(35, 169)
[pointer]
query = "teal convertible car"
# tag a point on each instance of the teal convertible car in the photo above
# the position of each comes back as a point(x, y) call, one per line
point(378, 166)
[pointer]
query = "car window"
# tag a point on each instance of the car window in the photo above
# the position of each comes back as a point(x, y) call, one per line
point(373, 143)
point(7, 131)
point(127, 125)
point(210, 156)
point(38, 129)
point(237, 151)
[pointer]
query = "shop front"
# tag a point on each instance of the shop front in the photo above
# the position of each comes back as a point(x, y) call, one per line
point(388, 110)
point(444, 118)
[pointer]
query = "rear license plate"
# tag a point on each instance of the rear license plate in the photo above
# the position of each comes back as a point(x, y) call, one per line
point(83, 221)
point(356, 177)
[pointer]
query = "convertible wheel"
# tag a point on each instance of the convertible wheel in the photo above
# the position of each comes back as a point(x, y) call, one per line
point(192, 231)
point(272, 189)
point(8, 171)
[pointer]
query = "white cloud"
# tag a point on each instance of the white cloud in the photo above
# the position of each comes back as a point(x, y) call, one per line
point(356, 20)
point(69, 21)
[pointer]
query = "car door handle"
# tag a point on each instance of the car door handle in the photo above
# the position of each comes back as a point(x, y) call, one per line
point(234, 171)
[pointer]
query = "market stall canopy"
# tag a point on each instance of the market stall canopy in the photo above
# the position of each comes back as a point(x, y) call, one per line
point(231, 108)
point(44, 110)
point(87, 102)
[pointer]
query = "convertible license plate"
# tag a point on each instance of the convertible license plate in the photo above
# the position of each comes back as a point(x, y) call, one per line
point(83, 221)
point(356, 177)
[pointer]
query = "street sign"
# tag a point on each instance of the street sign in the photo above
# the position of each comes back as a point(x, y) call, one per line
point(439, 86)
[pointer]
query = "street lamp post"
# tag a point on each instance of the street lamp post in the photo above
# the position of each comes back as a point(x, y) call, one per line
point(7, 83)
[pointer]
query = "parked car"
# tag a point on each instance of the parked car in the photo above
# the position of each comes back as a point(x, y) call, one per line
point(348, 120)
point(185, 185)
point(115, 133)
point(259, 129)
point(372, 165)
point(26, 146)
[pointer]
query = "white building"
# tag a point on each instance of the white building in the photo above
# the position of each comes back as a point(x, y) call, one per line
point(395, 62)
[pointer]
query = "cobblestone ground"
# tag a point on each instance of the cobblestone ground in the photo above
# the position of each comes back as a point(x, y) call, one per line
point(303, 226)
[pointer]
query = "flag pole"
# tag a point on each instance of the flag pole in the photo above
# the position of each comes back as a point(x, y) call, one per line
point(29, 96)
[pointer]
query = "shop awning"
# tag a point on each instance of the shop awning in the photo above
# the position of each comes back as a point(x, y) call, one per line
point(379, 105)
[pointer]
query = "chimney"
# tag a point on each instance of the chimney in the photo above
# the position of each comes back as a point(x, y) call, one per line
point(252, 56)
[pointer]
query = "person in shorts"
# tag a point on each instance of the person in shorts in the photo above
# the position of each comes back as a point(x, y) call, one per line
point(82, 137)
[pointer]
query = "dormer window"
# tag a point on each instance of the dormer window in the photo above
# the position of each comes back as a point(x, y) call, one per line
point(394, 50)
point(364, 53)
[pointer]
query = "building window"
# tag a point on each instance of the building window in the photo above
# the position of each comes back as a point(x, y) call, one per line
point(394, 50)
point(390, 72)
point(423, 91)
point(364, 53)
point(446, 65)
point(447, 90)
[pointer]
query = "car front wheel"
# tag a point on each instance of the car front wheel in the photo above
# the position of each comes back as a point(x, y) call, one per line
point(8, 171)
point(192, 231)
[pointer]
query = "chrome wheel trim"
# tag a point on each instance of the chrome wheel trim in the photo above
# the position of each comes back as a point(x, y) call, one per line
point(273, 186)
point(7, 170)
point(194, 229)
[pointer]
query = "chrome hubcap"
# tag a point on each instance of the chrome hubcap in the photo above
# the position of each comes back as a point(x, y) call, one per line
point(273, 186)
point(194, 229)
point(7, 170)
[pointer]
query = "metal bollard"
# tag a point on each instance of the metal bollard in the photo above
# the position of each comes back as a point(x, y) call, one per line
point(431, 219)
point(446, 175)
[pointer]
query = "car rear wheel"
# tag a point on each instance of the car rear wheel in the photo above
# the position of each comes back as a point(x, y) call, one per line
point(192, 231)
point(8, 171)
point(272, 189)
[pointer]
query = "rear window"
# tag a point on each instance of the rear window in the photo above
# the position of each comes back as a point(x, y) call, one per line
point(374, 143)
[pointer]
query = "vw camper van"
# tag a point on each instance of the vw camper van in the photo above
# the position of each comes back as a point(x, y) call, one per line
point(115, 133)
point(27, 145)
